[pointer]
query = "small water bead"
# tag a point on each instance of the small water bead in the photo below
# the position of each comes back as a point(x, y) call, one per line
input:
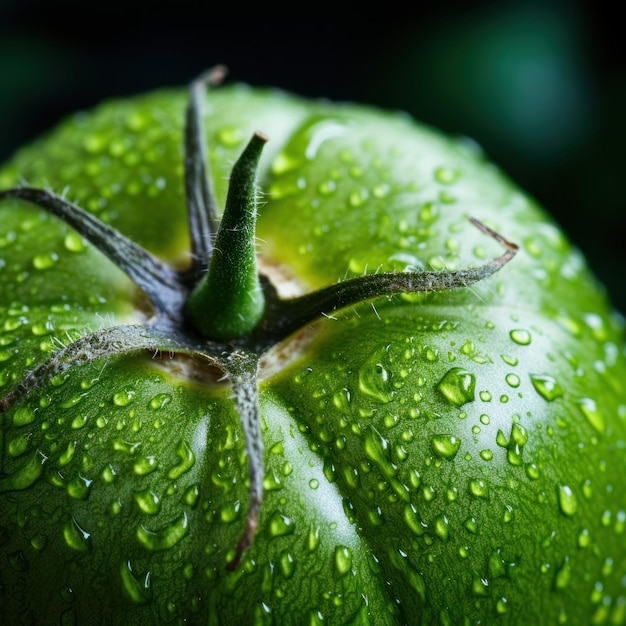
point(513, 380)
point(25, 476)
point(520, 336)
point(186, 460)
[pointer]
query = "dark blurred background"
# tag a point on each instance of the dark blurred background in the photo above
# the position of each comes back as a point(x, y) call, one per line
point(541, 85)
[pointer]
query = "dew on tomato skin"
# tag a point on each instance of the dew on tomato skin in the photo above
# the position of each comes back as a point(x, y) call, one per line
point(136, 588)
point(377, 449)
point(445, 446)
point(123, 398)
point(186, 460)
point(147, 501)
point(590, 411)
point(23, 416)
point(79, 487)
point(108, 474)
point(280, 525)
point(546, 386)
point(457, 386)
point(520, 336)
point(375, 379)
point(18, 445)
point(166, 537)
point(145, 465)
point(76, 537)
point(26, 475)
point(513, 380)
point(478, 488)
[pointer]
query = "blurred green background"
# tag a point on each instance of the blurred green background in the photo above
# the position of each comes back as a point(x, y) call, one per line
point(540, 85)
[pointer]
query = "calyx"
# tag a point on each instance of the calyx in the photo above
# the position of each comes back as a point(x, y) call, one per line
point(219, 310)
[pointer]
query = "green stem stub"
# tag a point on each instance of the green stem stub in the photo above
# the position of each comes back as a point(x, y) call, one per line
point(228, 303)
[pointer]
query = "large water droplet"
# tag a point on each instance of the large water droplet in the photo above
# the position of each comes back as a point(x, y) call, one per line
point(457, 386)
point(375, 377)
point(148, 502)
point(25, 476)
point(343, 560)
point(280, 525)
point(137, 588)
point(165, 537)
point(546, 386)
point(446, 446)
point(521, 336)
point(567, 500)
point(590, 411)
point(76, 537)
point(186, 460)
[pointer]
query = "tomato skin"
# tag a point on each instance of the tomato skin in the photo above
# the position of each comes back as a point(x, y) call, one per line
point(437, 458)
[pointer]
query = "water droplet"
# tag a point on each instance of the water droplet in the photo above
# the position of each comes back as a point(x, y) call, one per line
point(137, 588)
point(144, 465)
point(480, 587)
point(287, 564)
point(148, 502)
point(446, 175)
point(78, 487)
point(590, 411)
point(442, 530)
point(457, 386)
point(546, 386)
point(313, 538)
point(45, 261)
point(486, 455)
point(159, 401)
point(186, 460)
point(25, 476)
point(521, 336)
point(76, 537)
point(280, 525)
point(166, 537)
point(18, 445)
point(567, 500)
point(513, 380)
point(446, 446)
point(23, 416)
point(230, 512)
point(377, 449)
point(74, 242)
point(375, 378)
point(343, 560)
point(478, 488)
point(123, 398)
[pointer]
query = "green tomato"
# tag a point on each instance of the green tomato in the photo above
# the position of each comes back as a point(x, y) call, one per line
point(452, 457)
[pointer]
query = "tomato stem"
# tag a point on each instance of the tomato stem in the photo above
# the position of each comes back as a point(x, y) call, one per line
point(228, 303)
